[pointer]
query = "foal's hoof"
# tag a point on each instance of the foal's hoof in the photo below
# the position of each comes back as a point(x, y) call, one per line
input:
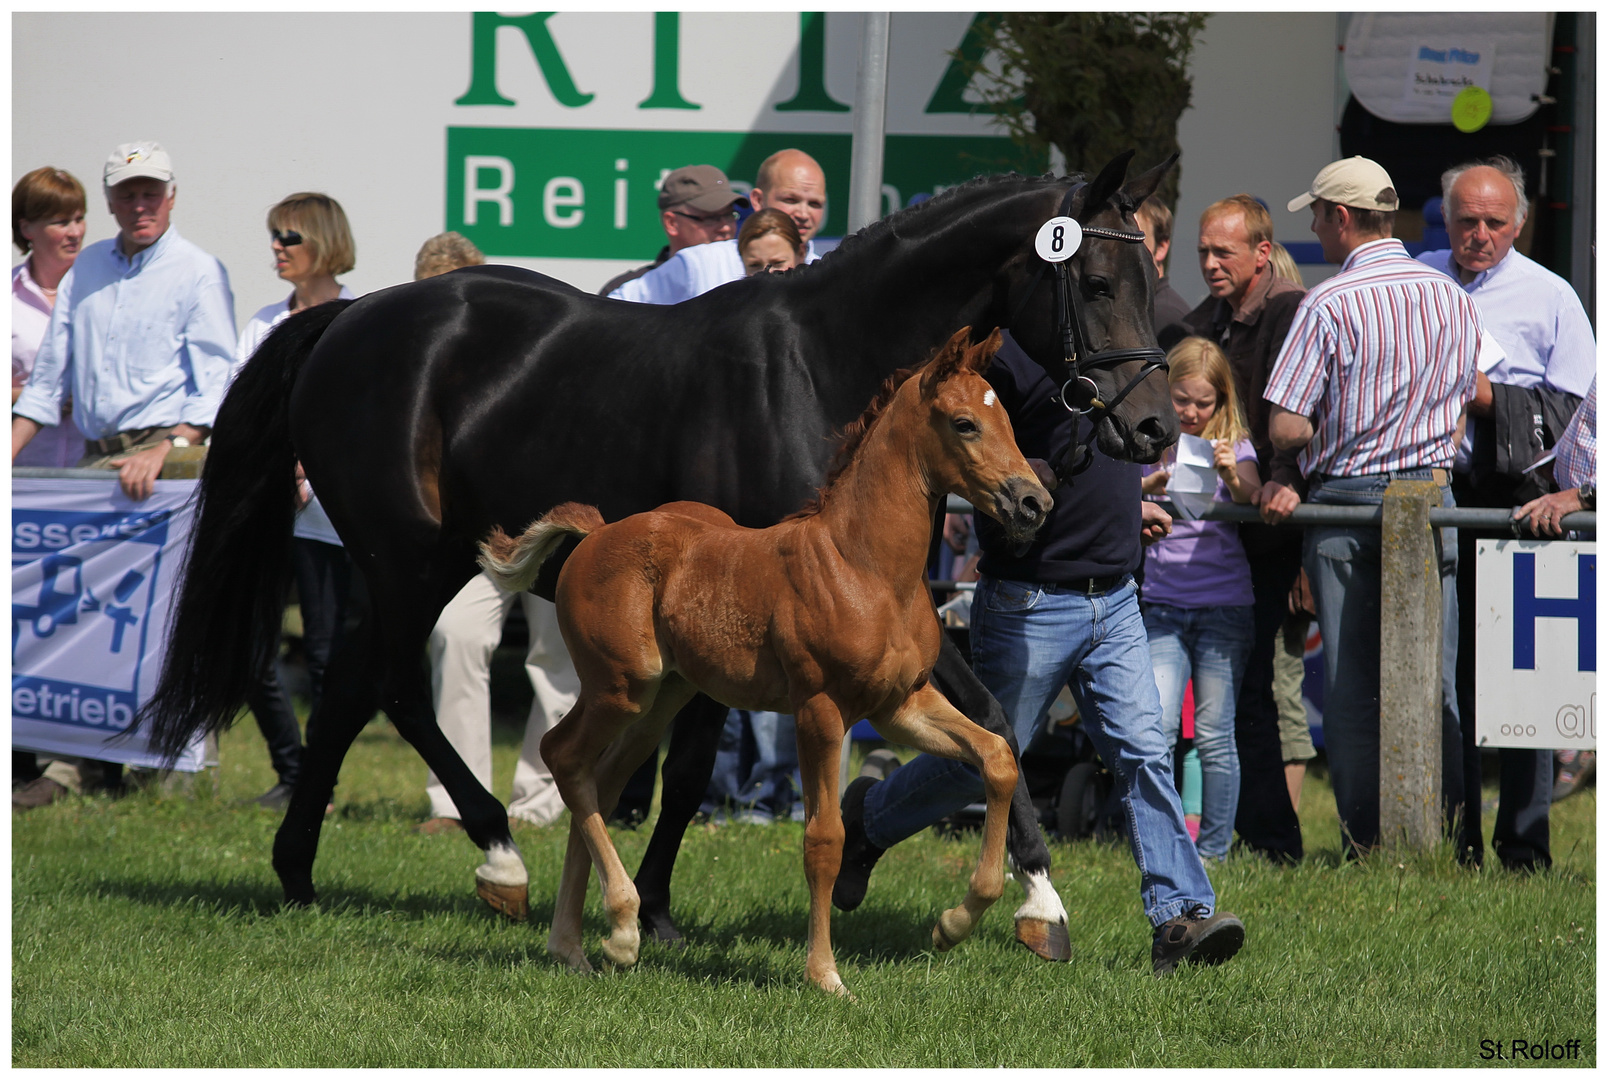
point(660, 927)
point(1047, 940)
point(944, 939)
point(510, 900)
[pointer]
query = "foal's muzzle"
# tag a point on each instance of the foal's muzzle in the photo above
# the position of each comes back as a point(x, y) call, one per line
point(1023, 507)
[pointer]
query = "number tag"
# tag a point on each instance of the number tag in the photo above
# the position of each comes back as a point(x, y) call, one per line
point(1057, 239)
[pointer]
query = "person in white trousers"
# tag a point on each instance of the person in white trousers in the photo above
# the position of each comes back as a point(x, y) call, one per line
point(460, 681)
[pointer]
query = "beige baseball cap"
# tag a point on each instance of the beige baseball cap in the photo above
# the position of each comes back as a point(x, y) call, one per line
point(702, 187)
point(137, 159)
point(1352, 181)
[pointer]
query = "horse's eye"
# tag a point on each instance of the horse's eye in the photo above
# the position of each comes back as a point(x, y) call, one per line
point(1097, 286)
point(965, 425)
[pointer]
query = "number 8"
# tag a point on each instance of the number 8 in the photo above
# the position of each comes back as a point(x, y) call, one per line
point(1058, 238)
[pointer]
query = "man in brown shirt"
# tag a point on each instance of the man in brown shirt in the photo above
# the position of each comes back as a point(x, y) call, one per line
point(1249, 313)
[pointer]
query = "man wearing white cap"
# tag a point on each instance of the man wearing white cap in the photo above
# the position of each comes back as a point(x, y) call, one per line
point(143, 333)
point(1371, 383)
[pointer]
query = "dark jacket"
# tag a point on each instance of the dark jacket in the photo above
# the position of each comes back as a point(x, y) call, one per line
point(1169, 307)
point(1252, 339)
point(1525, 423)
point(1093, 530)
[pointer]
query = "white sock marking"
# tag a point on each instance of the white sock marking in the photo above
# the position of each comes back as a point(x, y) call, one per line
point(503, 866)
point(1042, 901)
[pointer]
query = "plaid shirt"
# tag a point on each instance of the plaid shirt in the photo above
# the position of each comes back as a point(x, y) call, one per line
point(1382, 356)
point(1577, 446)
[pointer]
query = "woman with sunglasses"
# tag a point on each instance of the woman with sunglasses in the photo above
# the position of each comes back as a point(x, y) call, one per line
point(312, 243)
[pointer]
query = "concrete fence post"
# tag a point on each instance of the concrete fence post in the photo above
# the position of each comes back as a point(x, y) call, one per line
point(1409, 668)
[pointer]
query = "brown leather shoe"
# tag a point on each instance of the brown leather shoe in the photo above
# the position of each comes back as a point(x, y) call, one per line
point(40, 792)
point(438, 825)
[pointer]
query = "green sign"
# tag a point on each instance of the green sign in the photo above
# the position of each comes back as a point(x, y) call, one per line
point(572, 193)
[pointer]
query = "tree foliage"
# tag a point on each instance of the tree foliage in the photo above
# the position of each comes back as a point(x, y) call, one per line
point(1093, 83)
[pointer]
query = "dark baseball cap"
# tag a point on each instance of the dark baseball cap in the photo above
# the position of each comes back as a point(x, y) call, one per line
point(702, 187)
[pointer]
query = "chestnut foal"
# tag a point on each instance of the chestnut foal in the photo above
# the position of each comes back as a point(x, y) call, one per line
point(825, 615)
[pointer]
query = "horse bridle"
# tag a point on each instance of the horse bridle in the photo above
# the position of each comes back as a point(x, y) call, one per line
point(1080, 358)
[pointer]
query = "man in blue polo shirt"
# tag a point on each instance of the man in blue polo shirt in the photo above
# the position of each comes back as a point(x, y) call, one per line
point(143, 332)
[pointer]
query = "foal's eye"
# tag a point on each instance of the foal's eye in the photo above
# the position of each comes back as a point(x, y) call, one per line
point(965, 425)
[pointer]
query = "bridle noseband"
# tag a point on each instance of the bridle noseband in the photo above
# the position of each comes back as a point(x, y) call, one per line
point(1079, 394)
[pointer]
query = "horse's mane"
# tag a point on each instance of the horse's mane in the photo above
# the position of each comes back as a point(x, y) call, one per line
point(852, 437)
point(903, 217)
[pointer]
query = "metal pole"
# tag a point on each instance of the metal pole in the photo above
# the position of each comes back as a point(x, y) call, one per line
point(870, 116)
point(1583, 179)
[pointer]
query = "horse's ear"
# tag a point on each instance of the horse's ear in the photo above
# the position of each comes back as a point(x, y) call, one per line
point(948, 360)
point(979, 356)
point(1104, 186)
point(1145, 184)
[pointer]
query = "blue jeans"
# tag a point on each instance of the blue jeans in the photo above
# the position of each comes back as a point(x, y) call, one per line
point(1210, 645)
point(756, 762)
point(1343, 566)
point(1027, 642)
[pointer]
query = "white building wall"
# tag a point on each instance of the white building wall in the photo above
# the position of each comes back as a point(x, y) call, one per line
point(255, 106)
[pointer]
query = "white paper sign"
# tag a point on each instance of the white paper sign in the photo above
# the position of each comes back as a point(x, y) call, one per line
point(1193, 483)
point(93, 576)
point(1536, 644)
point(1439, 70)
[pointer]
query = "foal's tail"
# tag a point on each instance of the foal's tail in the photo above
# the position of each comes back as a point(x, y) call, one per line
point(514, 564)
point(226, 620)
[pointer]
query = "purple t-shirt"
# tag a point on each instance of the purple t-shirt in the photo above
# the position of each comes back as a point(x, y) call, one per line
point(1202, 563)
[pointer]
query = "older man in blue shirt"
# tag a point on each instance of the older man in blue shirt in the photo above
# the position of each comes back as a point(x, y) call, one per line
point(1521, 405)
point(143, 333)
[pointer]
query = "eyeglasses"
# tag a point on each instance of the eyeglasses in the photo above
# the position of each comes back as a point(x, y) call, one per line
point(709, 219)
point(288, 238)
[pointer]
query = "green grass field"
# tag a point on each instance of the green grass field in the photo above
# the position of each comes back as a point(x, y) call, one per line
point(148, 932)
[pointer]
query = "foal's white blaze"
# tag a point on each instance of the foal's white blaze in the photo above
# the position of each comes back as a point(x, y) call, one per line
point(1042, 901)
point(503, 866)
point(988, 397)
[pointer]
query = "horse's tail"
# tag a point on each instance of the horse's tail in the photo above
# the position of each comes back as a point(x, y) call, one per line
point(226, 621)
point(514, 564)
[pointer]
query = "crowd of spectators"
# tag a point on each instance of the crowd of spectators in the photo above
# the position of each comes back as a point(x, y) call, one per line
point(1464, 367)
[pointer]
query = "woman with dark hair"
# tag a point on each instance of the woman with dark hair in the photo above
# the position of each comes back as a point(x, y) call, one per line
point(47, 225)
point(312, 244)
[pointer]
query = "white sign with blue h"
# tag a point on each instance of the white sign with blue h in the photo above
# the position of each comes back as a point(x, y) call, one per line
point(1536, 632)
point(92, 578)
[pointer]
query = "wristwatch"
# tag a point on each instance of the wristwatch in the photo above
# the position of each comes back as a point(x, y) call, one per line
point(1588, 495)
point(178, 440)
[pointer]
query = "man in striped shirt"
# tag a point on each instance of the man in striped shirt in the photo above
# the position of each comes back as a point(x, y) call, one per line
point(1371, 383)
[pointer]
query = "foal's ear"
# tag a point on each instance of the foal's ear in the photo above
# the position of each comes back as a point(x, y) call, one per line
point(948, 360)
point(979, 356)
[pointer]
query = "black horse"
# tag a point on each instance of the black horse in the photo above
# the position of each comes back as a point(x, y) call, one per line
point(428, 413)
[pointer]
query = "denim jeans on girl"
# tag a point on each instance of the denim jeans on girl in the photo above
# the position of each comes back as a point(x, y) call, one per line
point(1210, 645)
point(1027, 642)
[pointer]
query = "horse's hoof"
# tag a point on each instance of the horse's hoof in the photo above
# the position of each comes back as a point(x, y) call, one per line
point(660, 927)
point(1047, 940)
point(833, 984)
point(510, 900)
point(620, 954)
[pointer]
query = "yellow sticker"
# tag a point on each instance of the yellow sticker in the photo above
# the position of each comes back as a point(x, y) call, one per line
point(1471, 109)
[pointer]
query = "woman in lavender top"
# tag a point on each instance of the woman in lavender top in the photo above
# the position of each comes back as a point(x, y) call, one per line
point(1197, 591)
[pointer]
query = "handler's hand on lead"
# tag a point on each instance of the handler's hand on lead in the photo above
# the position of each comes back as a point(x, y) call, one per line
point(1277, 502)
point(1154, 523)
point(1045, 474)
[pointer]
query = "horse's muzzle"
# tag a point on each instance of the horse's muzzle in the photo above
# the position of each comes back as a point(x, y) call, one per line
point(1024, 506)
